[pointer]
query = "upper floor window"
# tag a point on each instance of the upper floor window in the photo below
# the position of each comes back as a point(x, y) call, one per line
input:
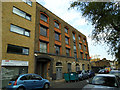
point(43, 47)
point(66, 40)
point(73, 36)
point(57, 24)
point(86, 56)
point(43, 17)
point(74, 48)
point(43, 30)
point(17, 49)
point(80, 45)
point(84, 40)
point(19, 30)
point(67, 52)
point(29, 2)
point(57, 49)
point(85, 48)
point(66, 30)
point(57, 36)
point(75, 55)
point(79, 37)
point(21, 13)
point(81, 54)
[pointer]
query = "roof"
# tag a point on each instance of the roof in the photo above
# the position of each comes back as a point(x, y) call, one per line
point(115, 71)
point(106, 75)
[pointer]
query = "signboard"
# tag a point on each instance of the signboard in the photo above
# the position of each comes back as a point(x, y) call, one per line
point(14, 63)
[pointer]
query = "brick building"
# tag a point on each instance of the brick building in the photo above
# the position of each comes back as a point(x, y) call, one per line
point(34, 40)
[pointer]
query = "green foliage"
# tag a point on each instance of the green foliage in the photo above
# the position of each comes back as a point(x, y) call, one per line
point(105, 17)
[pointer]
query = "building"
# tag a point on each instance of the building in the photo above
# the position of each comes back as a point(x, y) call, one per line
point(18, 35)
point(59, 48)
point(34, 40)
point(97, 64)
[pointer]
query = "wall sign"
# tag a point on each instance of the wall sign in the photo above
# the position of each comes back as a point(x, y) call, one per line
point(14, 63)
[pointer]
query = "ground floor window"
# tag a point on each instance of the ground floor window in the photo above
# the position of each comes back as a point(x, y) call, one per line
point(83, 66)
point(10, 71)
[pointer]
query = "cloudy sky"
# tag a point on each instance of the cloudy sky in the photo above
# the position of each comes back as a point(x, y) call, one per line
point(75, 19)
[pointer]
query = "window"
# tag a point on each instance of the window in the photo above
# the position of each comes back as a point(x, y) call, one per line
point(21, 13)
point(66, 40)
point(58, 64)
point(66, 30)
point(23, 78)
point(17, 49)
point(35, 77)
point(81, 55)
point(74, 48)
point(19, 30)
point(85, 48)
point(57, 50)
point(83, 66)
point(86, 56)
point(79, 37)
point(80, 45)
point(57, 36)
point(56, 25)
point(43, 47)
point(74, 36)
point(84, 40)
point(69, 67)
point(29, 2)
point(75, 55)
point(43, 17)
point(67, 52)
point(43, 30)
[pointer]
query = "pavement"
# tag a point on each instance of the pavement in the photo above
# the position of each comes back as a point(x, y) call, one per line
point(53, 83)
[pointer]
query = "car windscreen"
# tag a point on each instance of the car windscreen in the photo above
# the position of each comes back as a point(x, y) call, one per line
point(14, 78)
point(105, 81)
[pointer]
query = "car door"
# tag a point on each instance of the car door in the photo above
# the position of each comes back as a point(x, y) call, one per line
point(26, 82)
point(38, 81)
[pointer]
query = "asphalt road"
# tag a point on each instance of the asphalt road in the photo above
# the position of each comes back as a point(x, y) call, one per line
point(78, 84)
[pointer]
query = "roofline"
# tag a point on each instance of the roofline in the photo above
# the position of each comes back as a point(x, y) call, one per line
point(60, 18)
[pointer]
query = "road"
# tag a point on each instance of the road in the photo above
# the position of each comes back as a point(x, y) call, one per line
point(78, 84)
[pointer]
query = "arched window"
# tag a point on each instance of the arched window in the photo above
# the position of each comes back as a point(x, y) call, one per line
point(88, 66)
point(77, 67)
point(43, 17)
point(69, 67)
point(58, 64)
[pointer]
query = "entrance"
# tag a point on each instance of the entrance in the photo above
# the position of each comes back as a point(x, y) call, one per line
point(58, 73)
point(58, 70)
point(43, 66)
point(42, 69)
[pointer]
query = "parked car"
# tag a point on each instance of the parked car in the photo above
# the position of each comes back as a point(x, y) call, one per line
point(80, 75)
point(115, 72)
point(91, 73)
point(103, 71)
point(85, 74)
point(104, 81)
point(27, 82)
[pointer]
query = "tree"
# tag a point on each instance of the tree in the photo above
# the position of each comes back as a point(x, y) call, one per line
point(105, 17)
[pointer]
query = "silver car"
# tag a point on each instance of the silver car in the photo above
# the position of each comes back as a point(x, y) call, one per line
point(104, 81)
point(115, 72)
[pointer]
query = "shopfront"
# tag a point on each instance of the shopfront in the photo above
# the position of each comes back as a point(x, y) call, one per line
point(11, 68)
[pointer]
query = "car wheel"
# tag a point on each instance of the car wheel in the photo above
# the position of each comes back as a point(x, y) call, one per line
point(21, 88)
point(46, 85)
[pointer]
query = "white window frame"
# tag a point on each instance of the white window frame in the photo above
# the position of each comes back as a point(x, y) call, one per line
point(19, 30)
point(21, 13)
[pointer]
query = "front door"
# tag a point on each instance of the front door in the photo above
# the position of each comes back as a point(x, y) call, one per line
point(59, 73)
point(42, 69)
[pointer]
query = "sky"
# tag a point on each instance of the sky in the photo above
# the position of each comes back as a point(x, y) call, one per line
point(75, 19)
